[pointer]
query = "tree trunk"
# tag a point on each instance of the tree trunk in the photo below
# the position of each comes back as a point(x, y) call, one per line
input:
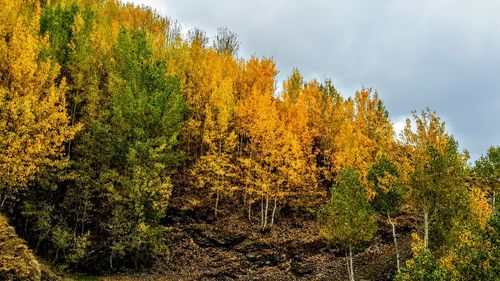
point(274, 211)
point(493, 200)
point(262, 211)
point(348, 265)
point(84, 215)
point(216, 202)
point(266, 212)
point(426, 228)
point(395, 240)
point(249, 211)
point(5, 198)
point(220, 145)
point(73, 115)
point(201, 142)
point(55, 258)
point(351, 264)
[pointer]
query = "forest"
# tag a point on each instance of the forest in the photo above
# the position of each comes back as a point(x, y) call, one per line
point(112, 118)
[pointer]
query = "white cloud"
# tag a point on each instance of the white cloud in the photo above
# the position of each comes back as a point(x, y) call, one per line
point(441, 54)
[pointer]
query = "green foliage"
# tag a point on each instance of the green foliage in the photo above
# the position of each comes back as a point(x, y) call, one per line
point(91, 105)
point(475, 254)
point(107, 206)
point(422, 267)
point(437, 187)
point(347, 216)
point(488, 170)
point(388, 188)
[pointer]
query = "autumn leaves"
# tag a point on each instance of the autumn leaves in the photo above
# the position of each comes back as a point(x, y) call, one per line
point(33, 118)
point(106, 111)
point(244, 138)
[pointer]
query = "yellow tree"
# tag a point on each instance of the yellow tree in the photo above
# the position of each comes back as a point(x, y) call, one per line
point(362, 135)
point(261, 133)
point(277, 158)
point(207, 81)
point(214, 169)
point(33, 119)
point(301, 114)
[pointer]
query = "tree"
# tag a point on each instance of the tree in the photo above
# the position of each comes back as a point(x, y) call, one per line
point(488, 170)
point(437, 173)
point(423, 266)
point(136, 146)
point(34, 123)
point(257, 125)
point(384, 179)
point(217, 171)
point(358, 133)
point(197, 37)
point(110, 201)
point(472, 250)
point(226, 42)
point(347, 216)
point(261, 125)
point(300, 113)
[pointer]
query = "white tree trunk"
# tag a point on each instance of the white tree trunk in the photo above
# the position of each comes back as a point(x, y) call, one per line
point(274, 211)
point(348, 265)
point(266, 212)
point(217, 202)
point(395, 240)
point(351, 263)
point(493, 200)
point(262, 211)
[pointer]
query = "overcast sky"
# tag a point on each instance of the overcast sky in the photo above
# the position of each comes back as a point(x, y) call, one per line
point(444, 55)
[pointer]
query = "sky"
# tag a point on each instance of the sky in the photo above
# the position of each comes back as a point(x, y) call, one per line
point(442, 55)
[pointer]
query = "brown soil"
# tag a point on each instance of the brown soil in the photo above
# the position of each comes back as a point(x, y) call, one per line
point(232, 248)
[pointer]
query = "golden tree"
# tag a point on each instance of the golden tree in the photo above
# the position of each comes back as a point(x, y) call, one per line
point(33, 120)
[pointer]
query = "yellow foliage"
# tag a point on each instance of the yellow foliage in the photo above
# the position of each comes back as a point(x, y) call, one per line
point(33, 119)
point(479, 209)
point(358, 133)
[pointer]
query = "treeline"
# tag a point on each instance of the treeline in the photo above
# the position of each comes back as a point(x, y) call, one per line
point(106, 110)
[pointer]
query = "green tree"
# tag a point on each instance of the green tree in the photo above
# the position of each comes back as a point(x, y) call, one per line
point(423, 266)
point(384, 179)
point(436, 173)
point(488, 170)
point(114, 195)
point(348, 216)
point(136, 146)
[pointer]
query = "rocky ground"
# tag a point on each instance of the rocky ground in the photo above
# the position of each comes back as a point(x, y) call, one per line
point(232, 248)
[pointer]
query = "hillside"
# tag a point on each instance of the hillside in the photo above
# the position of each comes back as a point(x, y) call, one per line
point(231, 249)
point(17, 262)
point(132, 149)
